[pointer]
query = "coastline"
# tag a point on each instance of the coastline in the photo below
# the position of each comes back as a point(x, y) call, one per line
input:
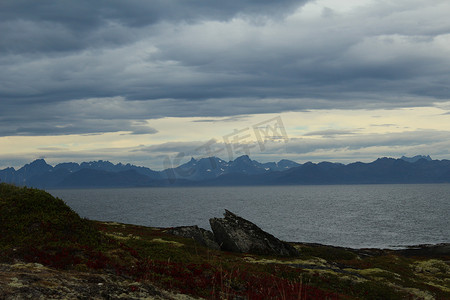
point(323, 271)
point(48, 251)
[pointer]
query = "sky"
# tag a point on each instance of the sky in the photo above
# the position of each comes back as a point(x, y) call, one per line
point(154, 83)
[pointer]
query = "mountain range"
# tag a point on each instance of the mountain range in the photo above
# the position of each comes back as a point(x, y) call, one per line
point(213, 171)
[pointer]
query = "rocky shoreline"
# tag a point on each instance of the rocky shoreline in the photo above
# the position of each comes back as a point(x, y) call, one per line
point(236, 234)
point(22, 280)
point(48, 252)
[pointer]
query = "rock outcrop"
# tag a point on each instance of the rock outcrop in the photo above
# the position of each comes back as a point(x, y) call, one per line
point(236, 234)
point(200, 235)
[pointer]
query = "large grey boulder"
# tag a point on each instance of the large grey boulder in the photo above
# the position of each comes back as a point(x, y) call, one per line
point(236, 234)
point(200, 235)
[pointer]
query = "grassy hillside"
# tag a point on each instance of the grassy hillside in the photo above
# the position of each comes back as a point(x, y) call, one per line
point(136, 261)
point(32, 217)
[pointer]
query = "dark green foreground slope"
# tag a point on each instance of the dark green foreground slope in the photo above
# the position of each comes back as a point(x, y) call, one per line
point(34, 218)
point(48, 251)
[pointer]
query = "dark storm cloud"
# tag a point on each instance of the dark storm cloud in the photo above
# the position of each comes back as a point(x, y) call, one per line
point(85, 13)
point(47, 25)
point(69, 118)
point(70, 67)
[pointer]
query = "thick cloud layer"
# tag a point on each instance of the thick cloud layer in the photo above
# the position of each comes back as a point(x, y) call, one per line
point(54, 26)
point(70, 67)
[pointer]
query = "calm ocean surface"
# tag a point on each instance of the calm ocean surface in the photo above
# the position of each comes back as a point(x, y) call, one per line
point(342, 215)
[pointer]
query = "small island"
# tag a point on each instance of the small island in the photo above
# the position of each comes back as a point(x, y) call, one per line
point(48, 251)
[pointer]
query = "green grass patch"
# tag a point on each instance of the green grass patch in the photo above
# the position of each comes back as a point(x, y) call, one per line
point(32, 217)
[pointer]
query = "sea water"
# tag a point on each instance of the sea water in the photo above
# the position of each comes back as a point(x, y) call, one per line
point(359, 216)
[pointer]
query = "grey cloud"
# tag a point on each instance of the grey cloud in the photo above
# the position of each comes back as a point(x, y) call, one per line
point(177, 151)
point(229, 119)
point(136, 60)
point(58, 121)
point(172, 147)
point(329, 132)
point(148, 130)
point(99, 115)
point(185, 65)
point(383, 125)
point(136, 12)
point(403, 139)
point(82, 127)
point(47, 25)
point(51, 149)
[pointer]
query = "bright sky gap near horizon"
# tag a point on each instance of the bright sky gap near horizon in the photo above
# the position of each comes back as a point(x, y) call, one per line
point(135, 81)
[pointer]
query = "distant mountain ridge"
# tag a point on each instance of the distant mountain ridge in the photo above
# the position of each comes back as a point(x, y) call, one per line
point(416, 158)
point(106, 174)
point(213, 171)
